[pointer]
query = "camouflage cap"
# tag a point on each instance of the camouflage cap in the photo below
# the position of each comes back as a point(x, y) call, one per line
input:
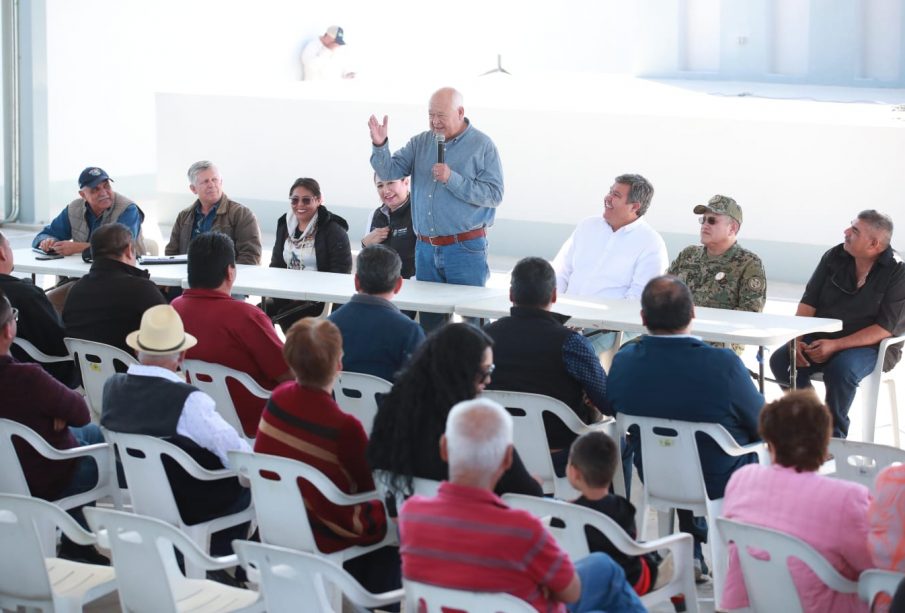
point(723, 205)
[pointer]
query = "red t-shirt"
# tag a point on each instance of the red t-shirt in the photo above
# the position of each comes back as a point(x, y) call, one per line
point(306, 424)
point(237, 335)
point(467, 538)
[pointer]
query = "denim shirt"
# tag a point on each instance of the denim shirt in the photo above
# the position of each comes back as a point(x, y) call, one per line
point(201, 223)
point(470, 197)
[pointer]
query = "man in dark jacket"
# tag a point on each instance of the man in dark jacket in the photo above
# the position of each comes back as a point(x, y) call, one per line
point(39, 322)
point(107, 303)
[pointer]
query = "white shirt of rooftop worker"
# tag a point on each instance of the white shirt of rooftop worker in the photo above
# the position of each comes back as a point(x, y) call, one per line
point(298, 252)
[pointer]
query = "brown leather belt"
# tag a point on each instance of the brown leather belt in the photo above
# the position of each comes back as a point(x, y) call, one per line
point(442, 241)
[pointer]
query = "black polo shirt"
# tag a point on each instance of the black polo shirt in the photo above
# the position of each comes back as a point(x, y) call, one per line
point(834, 293)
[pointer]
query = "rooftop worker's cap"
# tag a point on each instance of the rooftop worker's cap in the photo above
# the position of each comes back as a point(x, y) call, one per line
point(337, 33)
point(722, 205)
point(92, 177)
point(161, 332)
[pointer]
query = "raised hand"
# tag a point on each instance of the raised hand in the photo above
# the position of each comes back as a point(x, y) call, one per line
point(378, 130)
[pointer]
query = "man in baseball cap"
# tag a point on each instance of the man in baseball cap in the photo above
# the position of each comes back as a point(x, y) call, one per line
point(70, 231)
point(719, 272)
point(325, 58)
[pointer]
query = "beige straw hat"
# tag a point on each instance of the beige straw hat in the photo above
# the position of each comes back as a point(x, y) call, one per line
point(161, 332)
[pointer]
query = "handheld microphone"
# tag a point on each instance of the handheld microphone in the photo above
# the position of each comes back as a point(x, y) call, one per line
point(441, 149)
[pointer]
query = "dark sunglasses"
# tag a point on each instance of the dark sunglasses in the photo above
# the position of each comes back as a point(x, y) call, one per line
point(306, 200)
point(485, 373)
point(710, 220)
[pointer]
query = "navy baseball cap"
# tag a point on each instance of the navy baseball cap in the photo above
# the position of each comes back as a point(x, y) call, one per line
point(92, 177)
point(337, 33)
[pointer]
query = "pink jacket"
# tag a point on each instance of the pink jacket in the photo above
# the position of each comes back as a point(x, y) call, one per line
point(828, 514)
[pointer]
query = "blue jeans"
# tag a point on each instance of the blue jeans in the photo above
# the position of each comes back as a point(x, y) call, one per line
point(841, 375)
point(463, 263)
point(85, 476)
point(604, 587)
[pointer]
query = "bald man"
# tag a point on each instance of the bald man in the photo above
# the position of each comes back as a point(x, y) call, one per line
point(454, 199)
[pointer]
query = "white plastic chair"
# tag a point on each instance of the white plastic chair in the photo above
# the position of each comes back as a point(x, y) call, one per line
point(27, 577)
point(862, 462)
point(37, 355)
point(421, 487)
point(148, 576)
point(572, 539)
point(875, 581)
point(869, 394)
point(142, 461)
point(768, 581)
point(674, 479)
point(356, 394)
point(97, 362)
point(530, 437)
point(12, 477)
point(422, 597)
point(212, 379)
point(289, 577)
point(280, 509)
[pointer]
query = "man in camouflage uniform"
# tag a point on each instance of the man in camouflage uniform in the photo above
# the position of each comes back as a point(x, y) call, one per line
point(720, 273)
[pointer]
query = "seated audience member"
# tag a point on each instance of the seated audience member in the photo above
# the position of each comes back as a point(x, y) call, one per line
point(467, 538)
point(60, 416)
point(38, 322)
point(534, 352)
point(788, 495)
point(886, 514)
point(303, 422)
point(377, 338)
point(213, 211)
point(230, 332)
point(390, 224)
point(613, 255)
point(70, 231)
point(452, 365)
point(720, 273)
point(152, 398)
point(861, 282)
point(593, 459)
point(107, 303)
point(689, 381)
point(309, 237)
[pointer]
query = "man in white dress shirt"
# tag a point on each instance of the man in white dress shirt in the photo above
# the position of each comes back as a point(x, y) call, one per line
point(152, 398)
point(614, 255)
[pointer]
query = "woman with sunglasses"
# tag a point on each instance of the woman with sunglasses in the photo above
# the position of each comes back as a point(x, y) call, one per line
point(455, 363)
point(309, 237)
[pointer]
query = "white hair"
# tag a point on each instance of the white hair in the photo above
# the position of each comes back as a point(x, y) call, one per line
point(197, 168)
point(478, 433)
point(158, 359)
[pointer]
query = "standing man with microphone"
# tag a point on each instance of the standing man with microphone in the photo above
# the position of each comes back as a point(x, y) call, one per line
point(457, 183)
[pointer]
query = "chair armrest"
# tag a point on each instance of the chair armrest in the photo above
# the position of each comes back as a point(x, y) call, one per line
point(98, 451)
point(881, 352)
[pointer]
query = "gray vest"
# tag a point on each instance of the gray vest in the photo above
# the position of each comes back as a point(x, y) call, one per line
point(80, 231)
point(143, 405)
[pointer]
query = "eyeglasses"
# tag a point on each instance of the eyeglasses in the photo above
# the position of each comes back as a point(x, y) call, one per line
point(485, 373)
point(710, 220)
point(306, 200)
point(15, 317)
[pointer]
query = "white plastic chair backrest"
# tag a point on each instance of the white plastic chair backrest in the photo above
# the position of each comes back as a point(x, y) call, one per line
point(672, 465)
point(569, 531)
point(289, 577)
point(436, 599)
point(12, 477)
point(148, 575)
point(356, 394)
point(769, 582)
point(875, 581)
point(530, 437)
point(142, 461)
point(421, 487)
point(862, 462)
point(279, 508)
point(212, 380)
point(97, 363)
point(37, 355)
point(23, 573)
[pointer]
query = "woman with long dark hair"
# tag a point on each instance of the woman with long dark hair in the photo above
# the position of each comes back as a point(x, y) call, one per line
point(455, 363)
